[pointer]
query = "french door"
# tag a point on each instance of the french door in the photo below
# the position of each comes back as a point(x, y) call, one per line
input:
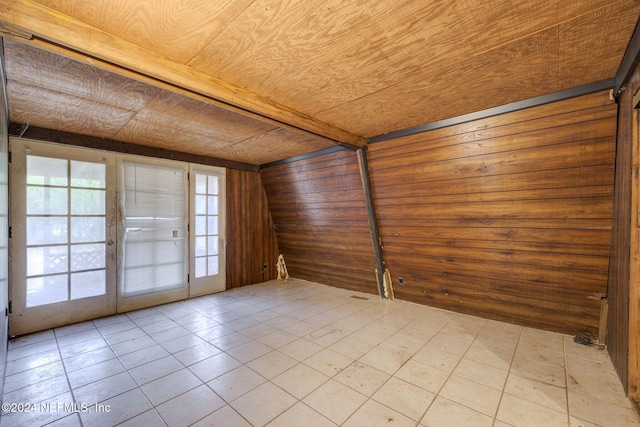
point(95, 233)
point(207, 233)
point(63, 233)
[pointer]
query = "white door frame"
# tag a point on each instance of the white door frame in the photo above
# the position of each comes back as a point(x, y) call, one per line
point(30, 319)
point(25, 319)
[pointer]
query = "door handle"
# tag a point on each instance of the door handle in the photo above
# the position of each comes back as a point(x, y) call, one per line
point(110, 243)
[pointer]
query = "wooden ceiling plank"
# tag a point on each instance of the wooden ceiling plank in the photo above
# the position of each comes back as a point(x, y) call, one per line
point(259, 149)
point(40, 69)
point(211, 121)
point(157, 84)
point(168, 137)
point(70, 138)
point(546, 62)
point(84, 101)
point(293, 51)
point(53, 27)
point(176, 29)
point(76, 114)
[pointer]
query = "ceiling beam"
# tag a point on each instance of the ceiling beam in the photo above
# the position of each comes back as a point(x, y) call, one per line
point(50, 29)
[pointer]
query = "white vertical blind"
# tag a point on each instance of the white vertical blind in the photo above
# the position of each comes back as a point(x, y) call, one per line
point(155, 215)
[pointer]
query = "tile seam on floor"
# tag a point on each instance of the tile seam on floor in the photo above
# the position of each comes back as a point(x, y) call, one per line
point(327, 302)
point(506, 381)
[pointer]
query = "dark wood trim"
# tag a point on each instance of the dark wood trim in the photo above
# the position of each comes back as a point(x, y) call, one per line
point(620, 344)
point(629, 62)
point(503, 109)
point(306, 156)
point(636, 100)
point(373, 219)
point(49, 135)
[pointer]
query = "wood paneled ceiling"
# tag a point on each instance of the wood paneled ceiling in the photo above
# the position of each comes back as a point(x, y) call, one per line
point(257, 81)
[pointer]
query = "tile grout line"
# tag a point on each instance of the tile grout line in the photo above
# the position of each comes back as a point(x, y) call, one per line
point(327, 347)
point(66, 374)
point(452, 373)
point(203, 383)
point(325, 382)
point(328, 304)
point(186, 367)
point(158, 343)
point(61, 361)
point(506, 380)
point(368, 398)
point(129, 373)
point(444, 382)
point(270, 381)
point(566, 378)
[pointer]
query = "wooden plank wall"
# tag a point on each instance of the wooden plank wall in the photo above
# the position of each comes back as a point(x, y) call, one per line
point(618, 327)
point(507, 218)
point(251, 239)
point(320, 217)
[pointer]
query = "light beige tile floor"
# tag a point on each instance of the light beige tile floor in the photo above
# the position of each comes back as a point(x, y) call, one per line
point(303, 354)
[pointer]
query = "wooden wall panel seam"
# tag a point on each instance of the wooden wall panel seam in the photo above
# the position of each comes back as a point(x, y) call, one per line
point(504, 109)
point(511, 136)
point(251, 240)
point(571, 106)
point(483, 186)
point(319, 213)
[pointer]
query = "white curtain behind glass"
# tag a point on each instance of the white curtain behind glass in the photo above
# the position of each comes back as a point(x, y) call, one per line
point(155, 223)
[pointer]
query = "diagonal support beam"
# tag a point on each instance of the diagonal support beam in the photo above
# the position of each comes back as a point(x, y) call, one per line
point(373, 219)
point(49, 29)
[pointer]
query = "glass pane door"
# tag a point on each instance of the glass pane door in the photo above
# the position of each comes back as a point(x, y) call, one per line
point(153, 233)
point(207, 231)
point(62, 228)
point(66, 230)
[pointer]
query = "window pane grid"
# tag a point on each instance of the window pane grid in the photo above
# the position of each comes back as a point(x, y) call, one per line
point(207, 230)
point(65, 211)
